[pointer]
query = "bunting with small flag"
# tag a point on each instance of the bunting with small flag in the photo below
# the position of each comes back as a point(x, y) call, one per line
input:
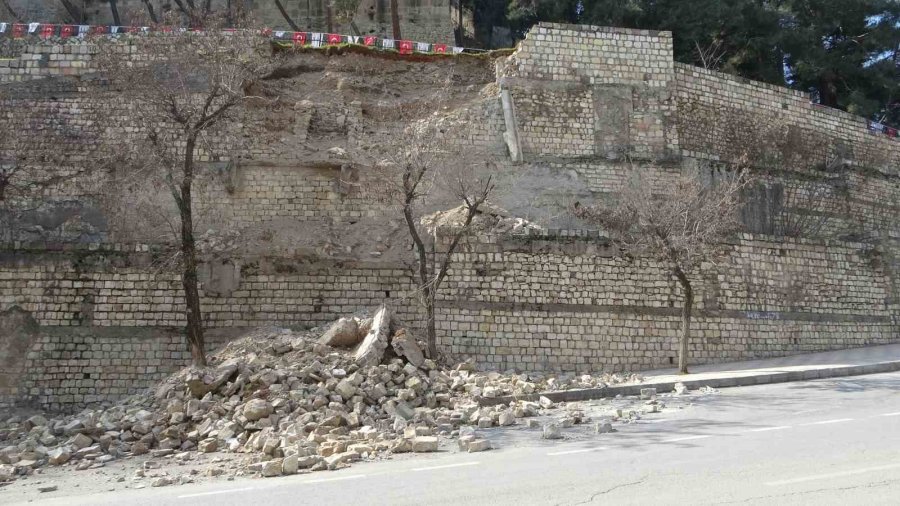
point(304, 39)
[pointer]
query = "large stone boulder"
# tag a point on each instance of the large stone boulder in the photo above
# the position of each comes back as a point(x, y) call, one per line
point(371, 350)
point(257, 409)
point(404, 345)
point(344, 333)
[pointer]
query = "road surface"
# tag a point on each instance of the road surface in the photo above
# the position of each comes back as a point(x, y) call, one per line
point(821, 442)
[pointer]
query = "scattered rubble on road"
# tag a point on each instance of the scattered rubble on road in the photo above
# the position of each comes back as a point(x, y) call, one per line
point(294, 402)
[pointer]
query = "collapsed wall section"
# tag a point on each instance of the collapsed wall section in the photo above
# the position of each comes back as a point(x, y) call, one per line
point(106, 321)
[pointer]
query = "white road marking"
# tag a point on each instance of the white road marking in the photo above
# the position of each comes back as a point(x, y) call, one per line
point(571, 452)
point(832, 475)
point(217, 492)
point(686, 438)
point(890, 414)
point(448, 466)
point(339, 478)
point(825, 422)
point(766, 429)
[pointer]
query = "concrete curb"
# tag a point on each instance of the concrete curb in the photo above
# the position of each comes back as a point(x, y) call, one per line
point(723, 382)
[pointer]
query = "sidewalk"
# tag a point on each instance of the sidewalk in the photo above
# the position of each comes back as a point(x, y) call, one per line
point(852, 362)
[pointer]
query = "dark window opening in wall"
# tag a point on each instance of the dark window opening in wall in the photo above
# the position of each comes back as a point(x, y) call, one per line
point(671, 360)
point(86, 376)
point(387, 294)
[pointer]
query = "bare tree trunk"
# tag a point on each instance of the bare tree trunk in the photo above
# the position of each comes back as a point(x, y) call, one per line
point(430, 324)
point(150, 11)
point(459, 28)
point(329, 16)
point(425, 283)
point(286, 16)
point(189, 281)
point(395, 19)
point(74, 12)
point(9, 9)
point(114, 8)
point(685, 320)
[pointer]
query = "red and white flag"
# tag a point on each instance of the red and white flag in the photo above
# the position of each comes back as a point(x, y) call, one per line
point(440, 48)
point(18, 30)
point(405, 46)
point(47, 31)
point(67, 31)
point(299, 38)
point(370, 40)
point(333, 39)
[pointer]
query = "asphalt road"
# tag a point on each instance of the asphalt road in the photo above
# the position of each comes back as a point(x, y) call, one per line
point(818, 442)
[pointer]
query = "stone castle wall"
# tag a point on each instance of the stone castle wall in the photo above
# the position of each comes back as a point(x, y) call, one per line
point(587, 104)
point(568, 303)
point(107, 319)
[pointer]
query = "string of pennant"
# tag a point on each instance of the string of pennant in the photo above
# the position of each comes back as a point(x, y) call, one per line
point(307, 39)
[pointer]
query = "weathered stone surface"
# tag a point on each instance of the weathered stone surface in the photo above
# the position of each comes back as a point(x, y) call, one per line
point(81, 441)
point(256, 409)
point(59, 456)
point(404, 345)
point(162, 481)
point(345, 389)
point(371, 349)
point(648, 393)
point(343, 333)
point(552, 431)
point(208, 445)
point(603, 427)
point(478, 445)
point(423, 444)
point(290, 465)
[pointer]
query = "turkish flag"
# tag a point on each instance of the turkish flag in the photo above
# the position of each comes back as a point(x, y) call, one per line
point(67, 31)
point(133, 29)
point(299, 38)
point(440, 48)
point(333, 38)
point(47, 31)
point(370, 40)
point(405, 46)
point(18, 30)
point(98, 30)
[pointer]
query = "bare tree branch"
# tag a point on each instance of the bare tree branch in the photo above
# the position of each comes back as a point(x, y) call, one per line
point(680, 224)
point(286, 16)
point(9, 9)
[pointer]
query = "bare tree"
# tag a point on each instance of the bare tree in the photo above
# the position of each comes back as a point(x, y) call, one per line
point(681, 227)
point(286, 16)
point(395, 20)
point(709, 56)
point(9, 9)
point(418, 172)
point(188, 86)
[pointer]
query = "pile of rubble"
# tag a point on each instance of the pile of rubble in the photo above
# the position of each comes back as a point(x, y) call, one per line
point(292, 402)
